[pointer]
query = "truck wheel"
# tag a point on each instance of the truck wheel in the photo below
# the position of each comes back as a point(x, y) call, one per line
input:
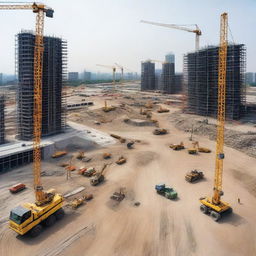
point(35, 231)
point(59, 214)
point(204, 209)
point(50, 220)
point(215, 216)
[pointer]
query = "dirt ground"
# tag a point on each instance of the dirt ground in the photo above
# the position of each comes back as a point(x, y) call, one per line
point(157, 226)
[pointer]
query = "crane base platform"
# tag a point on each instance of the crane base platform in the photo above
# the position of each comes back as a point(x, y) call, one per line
point(215, 211)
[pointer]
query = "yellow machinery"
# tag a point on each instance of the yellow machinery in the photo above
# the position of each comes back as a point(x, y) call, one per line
point(113, 69)
point(197, 31)
point(48, 205)
point(214, 205)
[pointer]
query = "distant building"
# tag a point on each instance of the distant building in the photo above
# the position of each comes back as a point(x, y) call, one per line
point(158, 76)
point(1, 78)
point(87, 76)
point(170, 58)
point(147, 76)
point(249, 78)
point(73, 76)
point(167, 81)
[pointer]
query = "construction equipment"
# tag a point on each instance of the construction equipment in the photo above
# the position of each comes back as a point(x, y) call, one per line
point(167, 192)
point(48, 205)
point(70, 167)
point(59, 154)
point(89, 172)
point(163, 110)
point(107, 108)
point(122, 140)
point(197, 31)
point(118, 196)
point(121, 160)
point(99, 177)
point(107, 155)
point(214, 205)
point(177, 146)
point(149, 104)
point(160, 131)
point(201, 149)
point(82, 170)
point(130, 144)
point(113, 69)
point(194, 175)
point(76, 202)
point(80, 155)
point(17, 188)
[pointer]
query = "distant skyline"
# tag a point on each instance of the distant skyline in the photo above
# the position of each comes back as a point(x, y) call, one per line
point(108, 32)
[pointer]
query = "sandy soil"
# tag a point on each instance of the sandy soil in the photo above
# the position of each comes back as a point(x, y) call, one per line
point(157, 226)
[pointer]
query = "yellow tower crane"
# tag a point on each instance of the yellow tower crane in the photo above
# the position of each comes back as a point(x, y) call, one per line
point(214, 205)
point(113, 69)
point(48, 206)
point(197, 31)
point(122, 71)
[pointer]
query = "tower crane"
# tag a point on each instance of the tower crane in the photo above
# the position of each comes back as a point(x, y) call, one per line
point(48, 205)
point(122, 71)
point(197, 31)
point(113, 69)
point(214, 205)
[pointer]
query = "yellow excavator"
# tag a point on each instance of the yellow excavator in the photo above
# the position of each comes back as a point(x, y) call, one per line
point(29, 217)
point(196, 148)
point(214, 205)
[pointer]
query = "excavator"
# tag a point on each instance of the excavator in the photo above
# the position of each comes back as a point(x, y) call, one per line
point(29, 217)
point(214, 206)
point(99, 177)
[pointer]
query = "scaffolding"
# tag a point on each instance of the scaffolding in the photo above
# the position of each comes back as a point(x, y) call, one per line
point(2, 119)
point(148, 76)
point(201, 81)
point(54, 76)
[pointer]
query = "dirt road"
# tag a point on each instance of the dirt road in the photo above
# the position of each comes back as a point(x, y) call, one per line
point(157, 226)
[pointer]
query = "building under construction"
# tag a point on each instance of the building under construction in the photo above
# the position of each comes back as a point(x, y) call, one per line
point(2, 120)
point(54, 74)
point(168, 73)
point(148, 82)
point(201, 81)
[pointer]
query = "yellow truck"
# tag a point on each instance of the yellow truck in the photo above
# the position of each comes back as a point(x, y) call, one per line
point(30, 218)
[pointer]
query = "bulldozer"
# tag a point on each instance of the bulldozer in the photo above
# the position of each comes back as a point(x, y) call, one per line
point(196, 148)
point(194, 175)
point(80, 155)
point(89, 172)
point(99, 177)
point(160, 131)
point(163, 110)
point(118, 196)
point(79, 201)
point(177, 146)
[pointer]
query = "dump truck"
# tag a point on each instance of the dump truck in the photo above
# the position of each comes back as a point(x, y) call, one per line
point(177, 146)
point(160, 131)
point(167, 192)
point(106, 155)
point(194, 175)
point(196, 148)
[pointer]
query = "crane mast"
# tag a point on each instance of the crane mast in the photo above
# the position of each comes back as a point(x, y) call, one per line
point(40, 10)
point(113, 70)
point(214, 205)
point(221, 108)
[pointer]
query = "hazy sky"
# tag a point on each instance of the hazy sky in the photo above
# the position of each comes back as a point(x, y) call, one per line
point(109, 31)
